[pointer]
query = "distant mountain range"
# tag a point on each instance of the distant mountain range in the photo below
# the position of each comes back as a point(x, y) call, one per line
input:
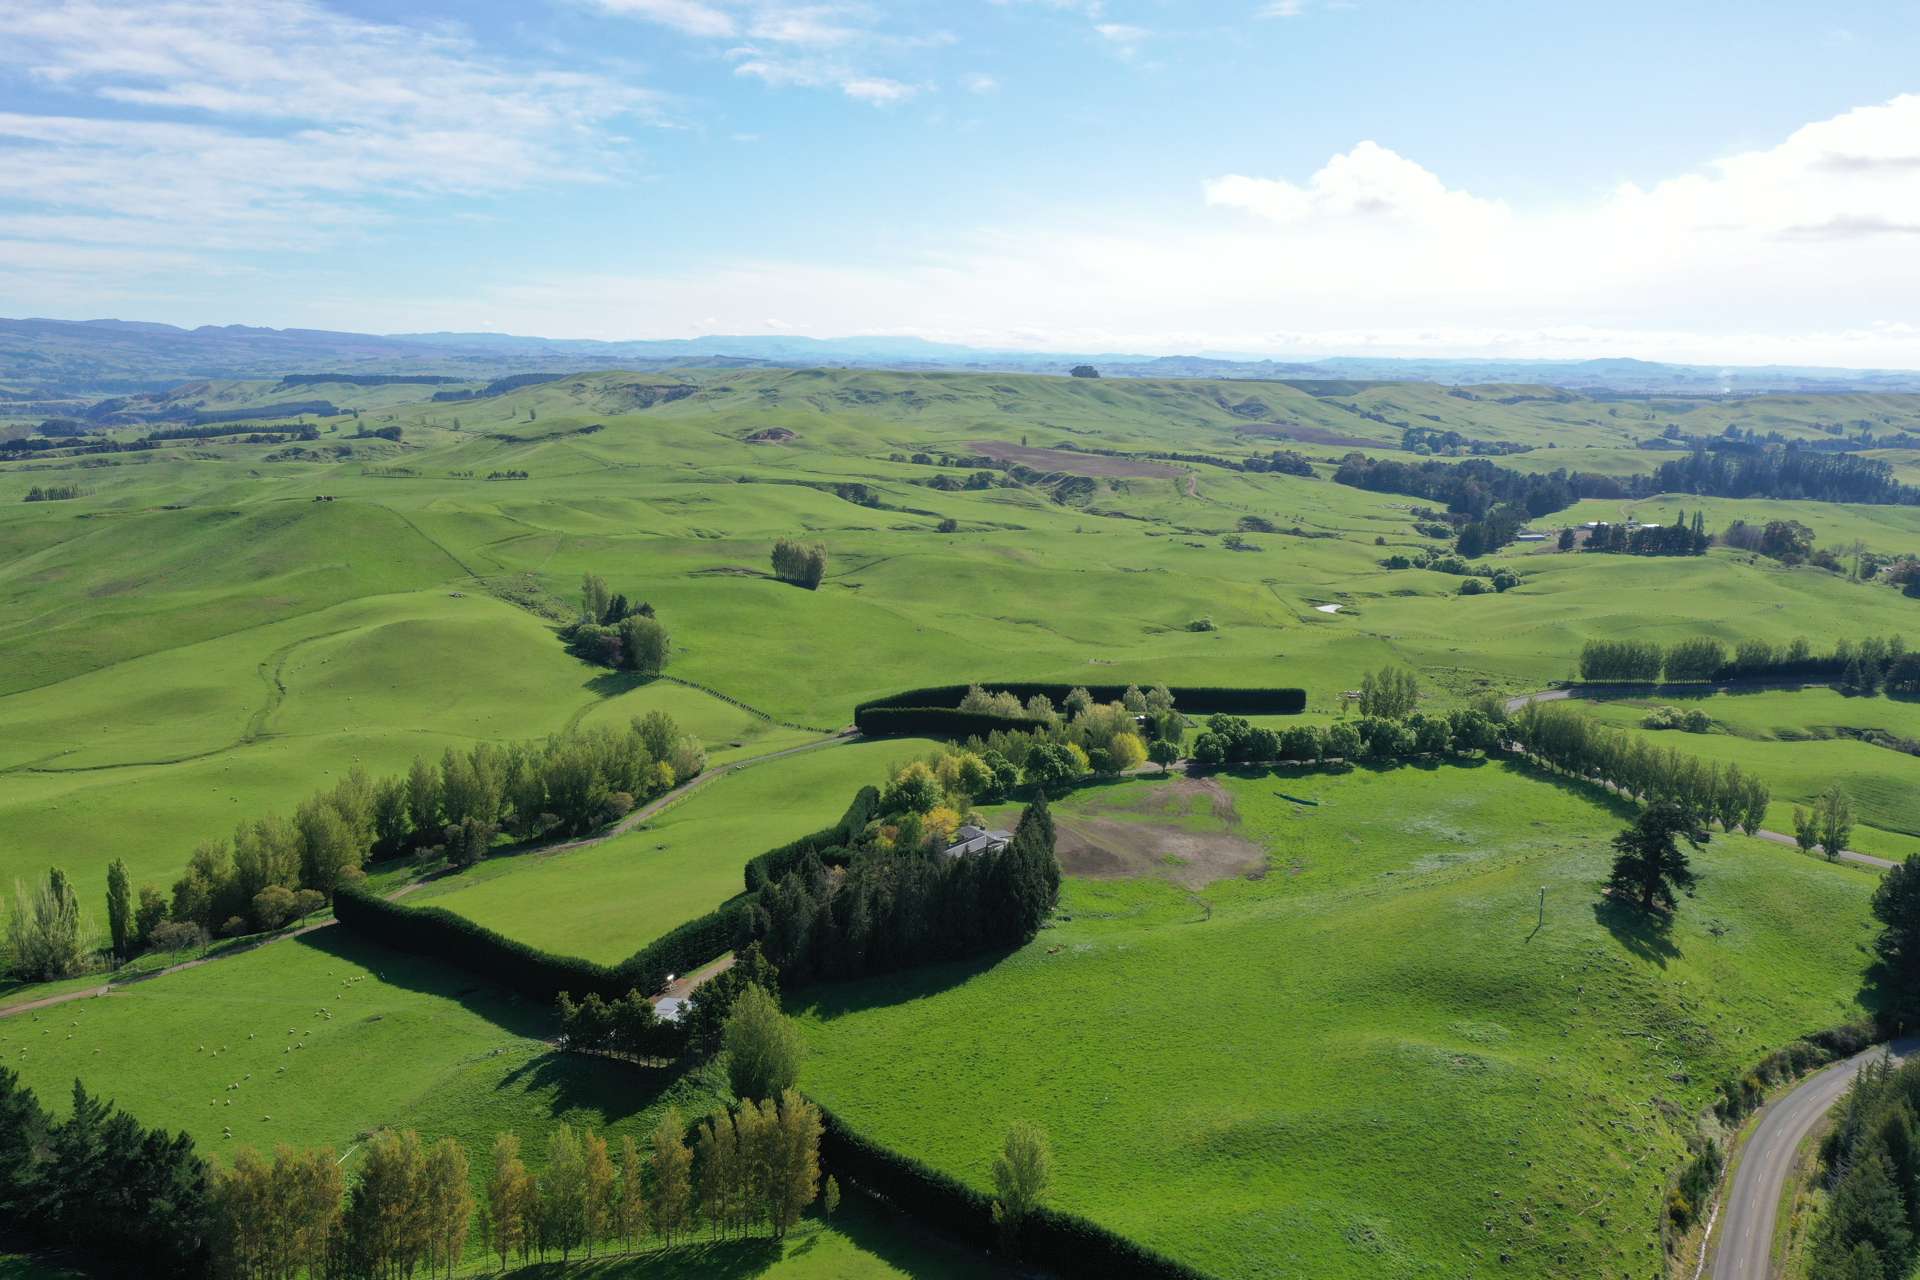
point(40, 357)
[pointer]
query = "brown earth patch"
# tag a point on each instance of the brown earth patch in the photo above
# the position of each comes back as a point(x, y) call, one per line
point(1112, 848)
point(1071, 461)
point(1309, 435)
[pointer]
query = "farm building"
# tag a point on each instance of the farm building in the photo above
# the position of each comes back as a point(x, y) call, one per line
point(972, 839)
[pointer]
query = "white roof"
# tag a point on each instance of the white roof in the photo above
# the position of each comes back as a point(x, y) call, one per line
point(669, 1007)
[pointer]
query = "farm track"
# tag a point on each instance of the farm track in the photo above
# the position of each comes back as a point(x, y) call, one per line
point(620, 828)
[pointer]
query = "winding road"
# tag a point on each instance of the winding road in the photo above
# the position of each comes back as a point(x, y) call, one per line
point(1745, 1232)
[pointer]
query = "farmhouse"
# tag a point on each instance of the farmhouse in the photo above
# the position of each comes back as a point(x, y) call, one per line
point(972, 839)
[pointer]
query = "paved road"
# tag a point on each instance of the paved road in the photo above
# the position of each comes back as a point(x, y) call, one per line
point(1747, 1219)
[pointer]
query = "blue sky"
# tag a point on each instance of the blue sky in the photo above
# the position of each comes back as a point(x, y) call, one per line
point(1735, 183)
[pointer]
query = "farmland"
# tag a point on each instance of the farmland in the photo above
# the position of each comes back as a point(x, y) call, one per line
point(1365, 1060)
point(1294, 1023)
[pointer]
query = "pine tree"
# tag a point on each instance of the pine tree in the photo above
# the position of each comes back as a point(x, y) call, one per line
point(1649, 865)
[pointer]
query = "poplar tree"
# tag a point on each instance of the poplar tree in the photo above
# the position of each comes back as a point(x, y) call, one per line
point(718, 1166)
point(794, 1164)
point(449, 1203)
point(563, 1192)
point(1833, 816)
point(504, 1218)
point(672, 1169)
point(120, 909)
point(1022, 1173)
point(598, 1192)
point(630, 1213)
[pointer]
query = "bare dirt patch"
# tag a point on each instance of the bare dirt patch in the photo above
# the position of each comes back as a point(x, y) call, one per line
point(1071, 461)
point(1114, 848)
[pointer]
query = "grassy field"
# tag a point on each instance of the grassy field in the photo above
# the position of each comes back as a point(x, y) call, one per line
point(1792, 740)
point(1366, 1061)
point(607, 901)
point(198, 639)
point(1241, 1071)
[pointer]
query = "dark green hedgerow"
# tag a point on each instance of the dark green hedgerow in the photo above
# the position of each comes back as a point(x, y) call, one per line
point(770, 866)
point(935, 711)
point(439, 933)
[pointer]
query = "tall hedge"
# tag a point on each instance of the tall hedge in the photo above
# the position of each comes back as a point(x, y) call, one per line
point(439, 933)
point(687, 947)
point(770, 866)
point(1065, 1244)
point(936, 710)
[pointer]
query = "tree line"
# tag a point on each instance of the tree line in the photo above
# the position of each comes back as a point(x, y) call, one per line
point(1786, 471)
point(1858, 666)
point(1566, 739)
point(1680, 538)
point(277, 869)
point(614, 632)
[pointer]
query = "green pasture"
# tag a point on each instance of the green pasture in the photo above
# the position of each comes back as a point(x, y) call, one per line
point(1366, 1062)
point(607, 901)
point(1790, 739)
point(386, 1040)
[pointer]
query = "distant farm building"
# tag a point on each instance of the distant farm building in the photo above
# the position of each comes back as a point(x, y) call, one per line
point(971, 839)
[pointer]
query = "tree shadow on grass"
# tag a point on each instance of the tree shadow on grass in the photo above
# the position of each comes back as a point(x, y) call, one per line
point(1648, 935)
point(708, 1260)
point(616, 1089)
point(611, 684)
point(1593, 792)
point(505, 1009)
point(829, 1000)
point(611, 1086)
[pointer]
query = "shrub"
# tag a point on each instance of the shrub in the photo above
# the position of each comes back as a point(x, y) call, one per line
point(178, 935)
point(273, 906)
point(1202, 624)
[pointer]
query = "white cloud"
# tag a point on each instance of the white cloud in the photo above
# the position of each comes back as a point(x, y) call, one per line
point(980, 82)
point(1121, 33)
point(877, 90)
point(1283, 9)
point(1801, 252)
point(688, 16)
point(272, 124)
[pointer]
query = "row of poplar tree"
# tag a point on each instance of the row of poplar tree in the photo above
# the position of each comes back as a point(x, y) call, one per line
point(754, 1168)
point(1566, 739)
point(142, 1201)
